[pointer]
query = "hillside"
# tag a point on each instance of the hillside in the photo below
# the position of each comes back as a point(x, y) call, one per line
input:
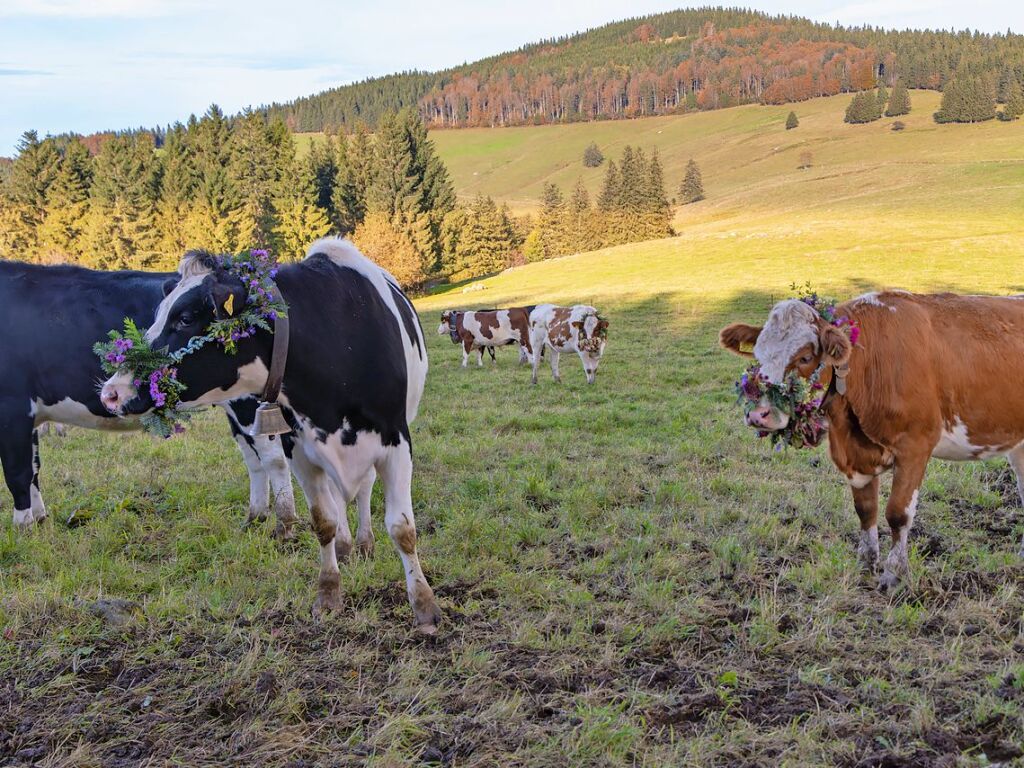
point(667, 63)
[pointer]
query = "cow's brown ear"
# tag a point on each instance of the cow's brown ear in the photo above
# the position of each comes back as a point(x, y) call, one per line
point(739, 338)
point(835, 344)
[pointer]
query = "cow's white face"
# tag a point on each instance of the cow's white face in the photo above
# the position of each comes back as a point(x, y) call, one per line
point(446, 323)
point(591, 341)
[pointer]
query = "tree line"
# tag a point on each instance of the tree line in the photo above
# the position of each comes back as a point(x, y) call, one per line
point(662, 64)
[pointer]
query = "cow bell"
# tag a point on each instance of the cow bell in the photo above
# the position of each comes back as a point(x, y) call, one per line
point(269, 421)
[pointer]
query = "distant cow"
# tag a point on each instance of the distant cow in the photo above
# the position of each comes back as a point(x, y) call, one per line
point(52, 316)
point(568, 329)
point(930, 375)
point(482, 329)
point(355, 372)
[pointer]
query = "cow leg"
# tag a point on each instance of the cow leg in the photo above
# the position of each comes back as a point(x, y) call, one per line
point(899, 513)
point(282, 496)
point(555, 354)
point(259, 480)
point(467, 346)
point(39, 512)
point(16, 455)
point(480, 357)
point(324, 514)
point(865, 501)
point(343, 539)
point(395, 469)
point(490, 351)
point(1016, 458)
point(364, 534)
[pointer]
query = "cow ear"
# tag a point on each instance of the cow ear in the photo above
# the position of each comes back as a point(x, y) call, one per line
point(227, 300)
point(169, 285)
point(739, 338)
point(835, 344)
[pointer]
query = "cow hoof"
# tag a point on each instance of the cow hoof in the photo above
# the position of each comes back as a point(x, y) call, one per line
point(283, 532)
point(365, 547)
point(427, 629)
point(343, 550)
point(328, 600)
point(888, 580)
point(23, 518)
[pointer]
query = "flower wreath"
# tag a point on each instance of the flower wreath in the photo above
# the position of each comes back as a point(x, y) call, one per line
point(128, 352)
point(592, 344)
point(800, 398)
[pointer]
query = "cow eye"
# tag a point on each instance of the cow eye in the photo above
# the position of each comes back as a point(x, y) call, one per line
point(185, 319)
point(806, 358)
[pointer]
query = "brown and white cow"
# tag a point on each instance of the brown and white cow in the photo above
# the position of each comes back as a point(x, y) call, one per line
point(568, 329)
point(930, 375)
point(486, 329)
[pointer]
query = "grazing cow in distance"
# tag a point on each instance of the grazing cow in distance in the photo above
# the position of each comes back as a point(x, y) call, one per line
point(355, 372)
point(480, 329)
point(930, 375)
point(568, 329)
point(52, 316)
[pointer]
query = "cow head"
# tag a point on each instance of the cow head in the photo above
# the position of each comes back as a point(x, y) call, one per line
point(204, 293)
point(447, 322)
point(591, 338)
point(795, 339)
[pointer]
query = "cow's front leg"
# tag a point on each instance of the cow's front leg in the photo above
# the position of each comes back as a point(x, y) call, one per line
point(908, 473)
point(865, 501)
point(395, 469)
point(324, 514)
point(1016, 458)
point(282, 497)
point(480, 357)
point(16, 455)
point(555, 354)
point(535, 360)
point(259, 480)
point(39, 512)
point(467, 347)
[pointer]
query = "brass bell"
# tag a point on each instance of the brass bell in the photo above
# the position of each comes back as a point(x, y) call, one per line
point(269, 421)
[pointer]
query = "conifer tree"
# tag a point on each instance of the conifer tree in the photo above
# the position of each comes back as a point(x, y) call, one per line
point(608, 200)
point(300, 219)
point(1014, 105)
point(551, 222)
point(217, 220)
point(966, 99)
point(67, 203)
point(121, 231)
point(178, 184)
point(592, 156)
point(254, 174)
point(792, 121)
point(580, 230)
point(864, 108)
point(881, 98)
point(355, 174)
point(692, 188)
point(899, 101)
point(658, 212)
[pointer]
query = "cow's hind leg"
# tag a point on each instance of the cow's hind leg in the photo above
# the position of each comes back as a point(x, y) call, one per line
point(324, 515)
point(555, 354)
point(1016, 458)
point(865, 501)
point(899, 513)
point(17, 457)
point(364, 534)
point(395, 469)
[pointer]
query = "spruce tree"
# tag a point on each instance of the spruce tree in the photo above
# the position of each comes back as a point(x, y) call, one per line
point(608, 200)
point(966, 99)
point(355, 174)
point(692, 188)
point(592, 156)
point(881, 98)
point(899, 101)
point(1014, 106)
point(67, 203)
point(255, 173)
point(551, 222)
point(792, 121)
point(658, 212)
point(300, 219)
point(178, 184)
point(864, 108)
point(217, 221)
point(34, 170)
point(580, 230)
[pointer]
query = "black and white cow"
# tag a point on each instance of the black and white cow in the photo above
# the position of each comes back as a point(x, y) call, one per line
point(51, 317)
point(355, 373)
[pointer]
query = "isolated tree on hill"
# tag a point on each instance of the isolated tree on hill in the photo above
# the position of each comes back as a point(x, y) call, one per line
point(899, 101)
point(966, 100)
point(592, 156)
point(863, 108)
point(692, 188)
point(806, 160)
point(1014, 105)
point(792, 121)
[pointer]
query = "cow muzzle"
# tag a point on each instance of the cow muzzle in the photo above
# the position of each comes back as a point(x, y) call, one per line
point(766, 418)
point(116, 392)
point(442, 329)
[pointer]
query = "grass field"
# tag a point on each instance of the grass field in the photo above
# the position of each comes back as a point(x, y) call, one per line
point(628, 577)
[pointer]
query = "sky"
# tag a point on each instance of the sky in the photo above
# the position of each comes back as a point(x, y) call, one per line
point(89, 65)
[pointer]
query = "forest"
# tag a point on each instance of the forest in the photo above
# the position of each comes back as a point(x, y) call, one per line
point(668, 63)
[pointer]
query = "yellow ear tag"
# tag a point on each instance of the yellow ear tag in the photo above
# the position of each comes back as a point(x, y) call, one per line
point(229, 305)
point(746, 346)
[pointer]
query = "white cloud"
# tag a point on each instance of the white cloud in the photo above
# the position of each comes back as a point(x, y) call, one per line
point(90, 8)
